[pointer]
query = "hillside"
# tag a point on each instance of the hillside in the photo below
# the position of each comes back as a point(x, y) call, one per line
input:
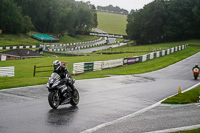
point(112, 23)
point(21, 39)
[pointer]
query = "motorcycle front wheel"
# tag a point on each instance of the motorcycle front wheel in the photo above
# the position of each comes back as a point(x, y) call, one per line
point(54, 100)
point(75, 99)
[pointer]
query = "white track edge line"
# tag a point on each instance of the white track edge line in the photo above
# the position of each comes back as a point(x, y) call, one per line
point(186, 128)
point(132, 115)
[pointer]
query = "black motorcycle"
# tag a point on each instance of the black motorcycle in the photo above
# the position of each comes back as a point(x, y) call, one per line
point(60, 93)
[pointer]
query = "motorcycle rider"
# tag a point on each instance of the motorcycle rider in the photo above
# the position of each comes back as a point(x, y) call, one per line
point(196, 66)
point(64, 74)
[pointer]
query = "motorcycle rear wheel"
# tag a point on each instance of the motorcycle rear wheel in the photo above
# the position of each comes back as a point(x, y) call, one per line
point(75, 100)
point(54, 100)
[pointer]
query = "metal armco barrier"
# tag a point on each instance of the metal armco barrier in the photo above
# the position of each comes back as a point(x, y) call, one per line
point(79, 68)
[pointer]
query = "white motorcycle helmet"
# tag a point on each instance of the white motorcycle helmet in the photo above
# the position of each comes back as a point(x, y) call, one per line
point(56, 65)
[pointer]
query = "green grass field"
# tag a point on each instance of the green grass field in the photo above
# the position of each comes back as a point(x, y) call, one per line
point(148, 66)
point(112, 23)
point(24, 68)
point(140, 50)
point(79, 38)
point(191, 96)
point(13, 40)
point(16, 40)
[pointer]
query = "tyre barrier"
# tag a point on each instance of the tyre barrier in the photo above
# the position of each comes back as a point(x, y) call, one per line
point(7, 71)
point(18, 47)
point(70, 46)
point(82, 67)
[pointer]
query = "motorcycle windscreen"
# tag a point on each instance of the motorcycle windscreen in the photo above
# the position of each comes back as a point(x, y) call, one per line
point(54, 76)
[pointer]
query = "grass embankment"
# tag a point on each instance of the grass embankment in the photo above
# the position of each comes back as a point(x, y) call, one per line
point(17, 40)
point(79, 38)
point(24, 68)
point(112, 23)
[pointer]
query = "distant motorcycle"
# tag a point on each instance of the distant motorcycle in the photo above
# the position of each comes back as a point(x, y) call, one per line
point(60, 93)
point(196, 73)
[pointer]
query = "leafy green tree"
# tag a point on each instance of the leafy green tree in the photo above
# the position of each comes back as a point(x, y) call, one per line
point(95, 16)
point(196, 16)
point(42, 13)
point(146, 25)
point(133, 27)
point(11, 18)
point(84, 23)
point(59, 16)
point(165, 20)
point(66, 17)
point(112, 9)
point(180, 21)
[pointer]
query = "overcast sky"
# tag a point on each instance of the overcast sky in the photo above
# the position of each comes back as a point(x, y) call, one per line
point(125, 4)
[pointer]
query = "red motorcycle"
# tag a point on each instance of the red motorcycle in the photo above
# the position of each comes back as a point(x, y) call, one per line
point(196, 73)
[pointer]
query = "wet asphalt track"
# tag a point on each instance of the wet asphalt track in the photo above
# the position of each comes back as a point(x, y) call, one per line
point(26, 109)
point(94, 49)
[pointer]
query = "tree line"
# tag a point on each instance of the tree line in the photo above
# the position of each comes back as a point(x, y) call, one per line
point(165, 20)
point(46, 16)
point(112, 9)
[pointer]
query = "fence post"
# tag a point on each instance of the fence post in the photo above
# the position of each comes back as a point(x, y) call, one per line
point(34, 70)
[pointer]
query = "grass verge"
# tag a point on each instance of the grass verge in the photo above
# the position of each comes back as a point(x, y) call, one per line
point(79, 38)
point(144, 67)
point(16, 40)
point(191, 96)
point(20, 39)
point(190, 131)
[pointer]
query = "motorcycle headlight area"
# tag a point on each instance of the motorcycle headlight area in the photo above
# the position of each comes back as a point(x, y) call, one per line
point(55, 83)
point(51, 81)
